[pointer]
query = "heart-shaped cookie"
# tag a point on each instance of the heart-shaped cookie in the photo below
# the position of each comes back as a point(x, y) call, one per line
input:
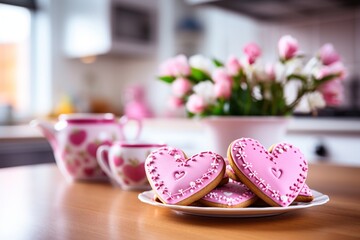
point(231, 173)
point(179, 180)
point(230, 195)
point(276, 176)
point(305, 194)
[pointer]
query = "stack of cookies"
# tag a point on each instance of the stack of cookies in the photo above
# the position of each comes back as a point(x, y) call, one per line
point(250, 174)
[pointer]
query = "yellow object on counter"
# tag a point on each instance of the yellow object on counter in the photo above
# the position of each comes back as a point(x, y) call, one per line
point(65, 106)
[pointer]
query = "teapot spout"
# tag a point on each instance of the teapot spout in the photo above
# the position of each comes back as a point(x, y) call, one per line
point(48, 131)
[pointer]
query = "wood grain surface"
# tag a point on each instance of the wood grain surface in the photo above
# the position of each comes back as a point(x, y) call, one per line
point(37, 203)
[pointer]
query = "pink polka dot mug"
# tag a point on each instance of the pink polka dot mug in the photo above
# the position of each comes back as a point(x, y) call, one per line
point(124, 162)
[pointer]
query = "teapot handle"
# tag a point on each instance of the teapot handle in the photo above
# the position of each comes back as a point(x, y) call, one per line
point(125, 120)
point(101, 152)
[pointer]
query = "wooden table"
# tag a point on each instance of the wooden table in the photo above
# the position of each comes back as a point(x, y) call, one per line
point(37, 203)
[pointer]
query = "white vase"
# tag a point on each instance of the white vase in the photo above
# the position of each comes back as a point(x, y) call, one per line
point(221, 131)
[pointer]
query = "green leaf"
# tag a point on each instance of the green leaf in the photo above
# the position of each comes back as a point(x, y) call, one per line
point(198, 75)
point(217, 110)
point(326, 79)
point(217, 63)
point(296, 76)
point(167, 79)
point(190, 114)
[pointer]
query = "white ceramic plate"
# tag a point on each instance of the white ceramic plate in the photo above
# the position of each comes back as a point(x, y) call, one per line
point(319, 199)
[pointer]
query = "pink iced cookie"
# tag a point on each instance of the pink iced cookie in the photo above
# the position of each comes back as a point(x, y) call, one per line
point(224, 180)
point(276, 176)
point(179, 180)
point(231, 173)
point(230, 195)
point(305, 194)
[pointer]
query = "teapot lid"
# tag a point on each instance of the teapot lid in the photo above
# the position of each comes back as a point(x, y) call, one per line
point(88, 118)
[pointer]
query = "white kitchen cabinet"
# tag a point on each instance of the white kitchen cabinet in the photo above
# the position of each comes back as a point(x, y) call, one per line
point(18, 152)
point(23, 145)
point(339, 148)
point(330, 140)
point(117, 27)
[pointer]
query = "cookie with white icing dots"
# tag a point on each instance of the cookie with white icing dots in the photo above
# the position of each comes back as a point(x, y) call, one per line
point(224, 180)
point(230, 195)
point(276, 176)
point(305, 194)
point(177, 179)
point(231, 173)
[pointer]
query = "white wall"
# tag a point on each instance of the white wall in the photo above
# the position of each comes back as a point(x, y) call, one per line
point(226, 32)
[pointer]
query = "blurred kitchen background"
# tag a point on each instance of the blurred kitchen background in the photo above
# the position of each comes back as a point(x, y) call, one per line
point(62, 56)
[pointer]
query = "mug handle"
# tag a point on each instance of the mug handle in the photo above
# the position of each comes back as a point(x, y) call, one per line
point(104, 164)
point(124, 120)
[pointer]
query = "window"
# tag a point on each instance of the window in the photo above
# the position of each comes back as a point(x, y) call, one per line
point(15, 69)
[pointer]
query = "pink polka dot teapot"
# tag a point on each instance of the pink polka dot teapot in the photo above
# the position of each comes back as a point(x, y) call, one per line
point(75, 139)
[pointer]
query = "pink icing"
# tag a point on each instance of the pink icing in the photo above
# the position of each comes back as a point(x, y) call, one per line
point(175, 178)
point(230, 194)
point(305, 191)
point(279, 175)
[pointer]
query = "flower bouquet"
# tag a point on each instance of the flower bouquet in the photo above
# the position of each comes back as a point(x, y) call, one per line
point(247, 87)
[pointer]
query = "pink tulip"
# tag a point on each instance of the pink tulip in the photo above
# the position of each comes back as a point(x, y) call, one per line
point(332, 92)
point(252, 52)
point(220, 75)
point(181, 86)
point(336, 68)
point(270, 71)
point(339, 68)
point(288, 47)
point(195, 104)
point(165, 68)
point(222, 90)
point(181, 66)
point(175, 67)
point(233, 66)
point(175, 102)
point(328, 55)
point(323, 72)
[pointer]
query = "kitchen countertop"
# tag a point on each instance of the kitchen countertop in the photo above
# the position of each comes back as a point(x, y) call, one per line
point(296, 125)
point(16, 132)
point(37, 203)
point(338, 136)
